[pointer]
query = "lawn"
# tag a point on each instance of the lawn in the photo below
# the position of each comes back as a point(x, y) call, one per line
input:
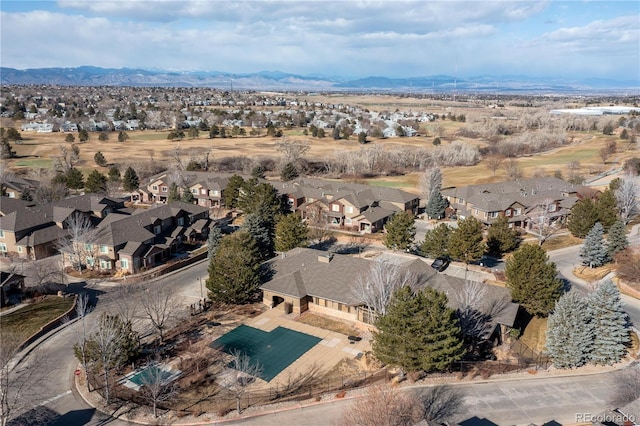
point(36, 163)
point(328, 324)
point(561, 241)
point(534, 335)
point(26, 321)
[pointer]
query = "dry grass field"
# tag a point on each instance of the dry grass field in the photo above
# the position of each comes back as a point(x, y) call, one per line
point(39, 150)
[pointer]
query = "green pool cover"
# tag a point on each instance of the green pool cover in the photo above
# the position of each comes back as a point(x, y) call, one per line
point(274, 350)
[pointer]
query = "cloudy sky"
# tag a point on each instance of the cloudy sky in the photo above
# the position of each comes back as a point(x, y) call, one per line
point(579, 39)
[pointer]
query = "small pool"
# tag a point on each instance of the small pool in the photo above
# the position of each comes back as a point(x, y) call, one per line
point(153, 373)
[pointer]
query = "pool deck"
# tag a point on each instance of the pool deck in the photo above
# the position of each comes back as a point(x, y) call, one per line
point(332, 349)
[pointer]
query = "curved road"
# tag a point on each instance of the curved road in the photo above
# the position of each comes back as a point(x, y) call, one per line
point(522, 401)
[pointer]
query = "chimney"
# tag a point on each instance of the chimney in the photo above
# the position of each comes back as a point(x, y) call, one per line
point(325, 258)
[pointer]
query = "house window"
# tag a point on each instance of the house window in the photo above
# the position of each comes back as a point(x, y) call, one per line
point(157, 229)
point(12, 195)
point(105, 264)
point(203, 191)
point(348, 209)
point(335, 207)
point(507, 212)
point(154, 187)
point(347, 221)
point(104, 249)
point(475, 212)
point(215, 193)
point(518, 211)
point(164, 189)
point(124, 263)
point(3, 247)
point(181, 221)
point(19, 249)
point(88, 247)
point(552, 207)
point(493, 215)
point(194, 190)
point(1, 234)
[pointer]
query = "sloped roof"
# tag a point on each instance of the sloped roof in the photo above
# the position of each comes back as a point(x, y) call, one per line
point(10, 205)
point(89, 202)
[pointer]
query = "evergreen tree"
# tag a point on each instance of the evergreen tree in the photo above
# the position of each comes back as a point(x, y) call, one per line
point(74, 179)
point(103, 137)
point(336, 133)
point(232, 191)
point(291, 232)
point(6, 150)
point(607, 209)
point(99, 159)
point(501, 238)
point(213, 241)
point(419, 332)
point(594, 252)
point(258, 172)
point(289, 172)
point(436, 205)
point(130, 181)
point(174, 193)
point(260, 198)
point(114, 174)
point(262, 232)
point(83, 135)
point(617, 238)
point(532, 280)
point(466, 243)
point(187, 196)
point(610, 325)
point(436, 241)
point(583, 216)
point(362, 137)
point(96, 182)
point(123, 136)
point(401, 230)
point(569, 332)
point(234, 271)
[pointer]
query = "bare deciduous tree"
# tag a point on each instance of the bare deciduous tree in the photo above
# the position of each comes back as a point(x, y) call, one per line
point(541, 220)
point(441, 404)
point(79, 244)
point(155, 386)
point(82, 309)
point(244, 373)
point(108, 340)
point(292, 149)
point(514, 172)
point(493, 163)
point(430, 181)
point(383, 405)
point(160, 305)
point(42, 272)
point(376, 288)
point(20, 388)
point(68, 158)
point(628, 198)
point(474, 322)
point(127, 305)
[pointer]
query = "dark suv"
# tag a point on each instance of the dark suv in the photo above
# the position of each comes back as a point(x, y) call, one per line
point(440, 264)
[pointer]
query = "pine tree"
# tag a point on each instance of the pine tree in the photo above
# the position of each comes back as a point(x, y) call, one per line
point(114, 174)
point(500, 238)
point(569, 332)
point(99, 159)
point(583, 216)
point(260, 198)
point(96, 182)
point(74, 179)
point(532, 280)
point(594, 252)
point(130, 181)
point(607, 209)
point(263, 233)
point(291, 232)
point(610, 324)
point(401, 230)
point(234, 271)
point(436, 205)
point(6, 150)
point(466, 243)
point(213, 241)
point(289, 172)
point(617, 238)
point(436, 241)
point(232, 191)
point(418, 332)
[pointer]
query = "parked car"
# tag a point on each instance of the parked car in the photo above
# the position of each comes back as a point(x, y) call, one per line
point(440, 264)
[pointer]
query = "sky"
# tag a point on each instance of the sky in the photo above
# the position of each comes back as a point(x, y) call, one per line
point(553, 39)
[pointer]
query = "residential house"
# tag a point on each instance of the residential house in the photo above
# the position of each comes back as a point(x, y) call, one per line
point(148, 237)
point(355, 207)
point(524, 202)
point(312, 280)
point(207, 188)
point(16, 186)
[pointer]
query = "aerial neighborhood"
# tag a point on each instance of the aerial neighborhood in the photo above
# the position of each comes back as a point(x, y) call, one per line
point(251, 250)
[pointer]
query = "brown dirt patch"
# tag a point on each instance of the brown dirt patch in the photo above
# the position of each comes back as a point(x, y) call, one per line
point(326, 323)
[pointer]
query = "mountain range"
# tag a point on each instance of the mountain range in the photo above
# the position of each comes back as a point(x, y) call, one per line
point(276, 80)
